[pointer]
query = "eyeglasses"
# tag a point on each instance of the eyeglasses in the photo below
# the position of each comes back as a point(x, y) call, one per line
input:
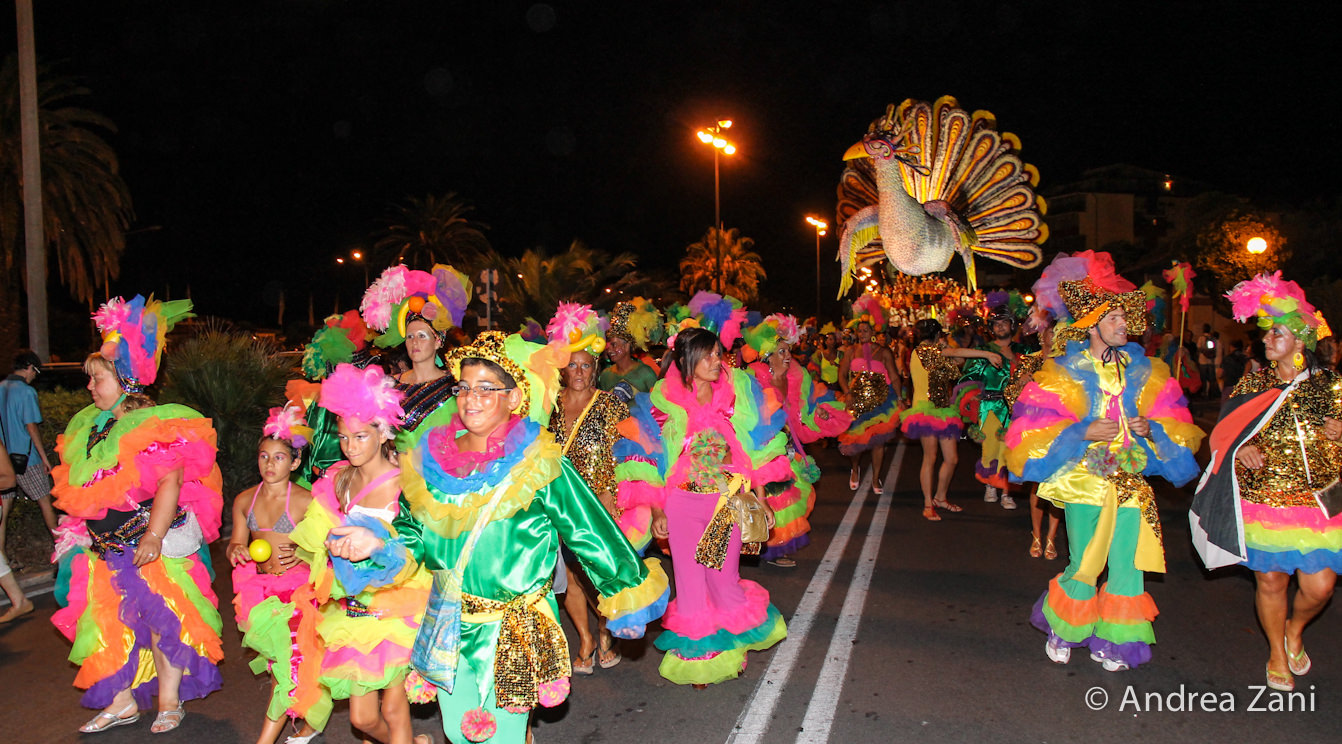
point(463, 390)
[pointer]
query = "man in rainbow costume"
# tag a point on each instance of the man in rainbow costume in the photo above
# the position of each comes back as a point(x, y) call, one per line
point(1092, 425)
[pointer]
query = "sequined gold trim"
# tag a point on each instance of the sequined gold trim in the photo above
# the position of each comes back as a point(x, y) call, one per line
point(531, 647)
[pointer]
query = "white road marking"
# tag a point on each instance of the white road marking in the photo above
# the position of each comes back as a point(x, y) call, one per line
point(824, 703)
point(753, 723)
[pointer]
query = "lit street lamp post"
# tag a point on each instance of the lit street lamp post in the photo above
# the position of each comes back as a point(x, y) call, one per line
point(820, 227)
point(1256, 246)
point(713, 136)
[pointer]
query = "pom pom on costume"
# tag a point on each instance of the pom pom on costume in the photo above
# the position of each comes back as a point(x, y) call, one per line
point(133, 336)
point(1271, 300)
point(418, 689)
point(478, 725)
point(363, 396)
point(577, 327)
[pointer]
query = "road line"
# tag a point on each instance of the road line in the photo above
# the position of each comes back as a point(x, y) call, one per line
point(753, 723)
point(815, 727)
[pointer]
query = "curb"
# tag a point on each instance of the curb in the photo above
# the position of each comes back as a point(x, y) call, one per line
point(33, 584)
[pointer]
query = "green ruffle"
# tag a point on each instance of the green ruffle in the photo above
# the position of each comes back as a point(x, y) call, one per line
point(104, 455)
point(722, 667)
point(769, 632)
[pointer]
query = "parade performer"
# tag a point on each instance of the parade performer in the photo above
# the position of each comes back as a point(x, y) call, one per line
point(584, 424)
point(993, 412)
point(142, 491)
point(812, 413)
point(932, 420)
point(487, 499)
point(367, 625)
point(343, 339)
point(866, 374)
point(706, 434)
point(1041, 323)
point(417, 308)
point(633, 325)
point(275, 606)
point(1270, 510)
point(827, 356)
point(1090, 426)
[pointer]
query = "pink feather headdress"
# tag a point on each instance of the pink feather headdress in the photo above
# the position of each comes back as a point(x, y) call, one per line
point(362, 397)
point(868, 308)
point(402, 294)
point(134, 334)
point(577, 327)
point(1271, 300)
point(287, 424)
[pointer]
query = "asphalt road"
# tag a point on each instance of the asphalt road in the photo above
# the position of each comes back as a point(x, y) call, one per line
point(901, 630)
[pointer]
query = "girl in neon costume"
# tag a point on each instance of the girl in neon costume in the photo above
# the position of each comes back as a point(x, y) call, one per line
point(274, 603)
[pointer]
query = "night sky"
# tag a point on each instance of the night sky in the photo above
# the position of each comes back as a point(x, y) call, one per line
point(262, 139)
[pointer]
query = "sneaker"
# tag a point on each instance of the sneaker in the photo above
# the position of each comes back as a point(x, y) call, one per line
point(1008, 502)
point(989, 494)
point(1057, 653)
point(1110, 665)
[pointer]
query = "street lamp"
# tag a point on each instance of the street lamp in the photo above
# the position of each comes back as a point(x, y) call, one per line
point(820, 227)
point(1256, 246)
point(713, 136)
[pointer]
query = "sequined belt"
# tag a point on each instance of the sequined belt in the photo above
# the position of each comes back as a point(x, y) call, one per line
point(129, 533)
point(531, 649)
point(355, 608)
point(1123, 487)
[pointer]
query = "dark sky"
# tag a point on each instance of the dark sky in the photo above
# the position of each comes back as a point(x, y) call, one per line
point(262, 139)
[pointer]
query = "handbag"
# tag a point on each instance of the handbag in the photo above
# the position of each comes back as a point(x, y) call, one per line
point(749, 514)
point(185, 539)
point(19, 461)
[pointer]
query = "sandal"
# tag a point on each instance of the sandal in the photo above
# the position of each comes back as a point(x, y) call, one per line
point(1298, 662)
point(876, 486)
point(605, 660)
point(1036, 549)
point(1280, 681)
point(854, 480)
point(168, 720)
point(948, 506)
point(105, 720)
point(585, 665)
point(782, 561)
point(296, 739)
point(1050, 552)
point(930, 514)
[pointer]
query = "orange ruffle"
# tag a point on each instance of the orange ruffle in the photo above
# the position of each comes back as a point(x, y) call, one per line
point(308, 692)
point(1126, 610)
point(1077, 612)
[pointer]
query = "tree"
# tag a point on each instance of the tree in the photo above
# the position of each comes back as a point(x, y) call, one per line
point(1223, 258)
point(534, 284)
point(86, 206)
point(742, 270)
point(432, 230)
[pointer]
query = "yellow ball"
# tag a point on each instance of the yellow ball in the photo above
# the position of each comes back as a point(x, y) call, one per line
point(259, 550)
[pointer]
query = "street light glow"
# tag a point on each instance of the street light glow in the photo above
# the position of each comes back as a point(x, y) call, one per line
point(729, 149)
point(340, 260)
point(1257, 245)
point(725, 123)
point(358, 256)
point(705, 137)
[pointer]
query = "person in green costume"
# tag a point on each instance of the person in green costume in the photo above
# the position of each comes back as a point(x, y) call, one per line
point(485, 500)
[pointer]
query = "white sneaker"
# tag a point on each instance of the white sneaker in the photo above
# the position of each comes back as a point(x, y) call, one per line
point(1110, 665)
point(1057, 653)
point(989, 494)
point(1008, 502)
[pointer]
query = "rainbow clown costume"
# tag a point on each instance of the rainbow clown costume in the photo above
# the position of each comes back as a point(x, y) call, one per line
point(487, 526)
point(120, 461)
point(1098, 383)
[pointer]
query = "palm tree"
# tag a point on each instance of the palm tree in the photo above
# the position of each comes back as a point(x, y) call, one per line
point(741, 273)
point(86, 206)
point(432, 230)
point(534, 284)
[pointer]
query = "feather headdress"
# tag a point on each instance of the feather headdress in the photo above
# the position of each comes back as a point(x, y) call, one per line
point(402, 294)
point(577, 327)
point(334, 343)
point(287, 424)
point(1271, 300)
point(868, 308)
point(134, 334)
point(1081, 289)
point(637, 321)
point(362, 397)
point(721, 314)
point(765, 336)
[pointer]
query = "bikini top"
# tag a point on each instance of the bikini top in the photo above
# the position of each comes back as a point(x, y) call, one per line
point(869, 364)
point(384, 513)
point(284, 525)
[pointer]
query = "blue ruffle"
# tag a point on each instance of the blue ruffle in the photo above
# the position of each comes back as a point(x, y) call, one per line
point(633, 624)
point(514, 447)
point(723, 640)
point(1290, 561)
point(626, 449)
point(379, 569)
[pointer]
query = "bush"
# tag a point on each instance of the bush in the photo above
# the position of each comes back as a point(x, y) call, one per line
point(58, 407)
point(234, 379)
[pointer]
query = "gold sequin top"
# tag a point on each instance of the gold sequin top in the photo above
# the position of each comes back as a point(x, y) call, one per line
point(1021, 374)
point(1282, 480)
point(941, 375)
point(593, 436)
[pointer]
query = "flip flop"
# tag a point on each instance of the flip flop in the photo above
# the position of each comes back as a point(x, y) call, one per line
point(585, 666)
point(1298, 662)
point(608, 661)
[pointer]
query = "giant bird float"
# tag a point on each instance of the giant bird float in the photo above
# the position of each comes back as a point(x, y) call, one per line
point(929, 181)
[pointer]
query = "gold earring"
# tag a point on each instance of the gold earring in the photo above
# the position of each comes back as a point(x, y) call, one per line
point(1299, 361)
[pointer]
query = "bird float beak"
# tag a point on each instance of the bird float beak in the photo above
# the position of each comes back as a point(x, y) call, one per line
point(856, 151)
